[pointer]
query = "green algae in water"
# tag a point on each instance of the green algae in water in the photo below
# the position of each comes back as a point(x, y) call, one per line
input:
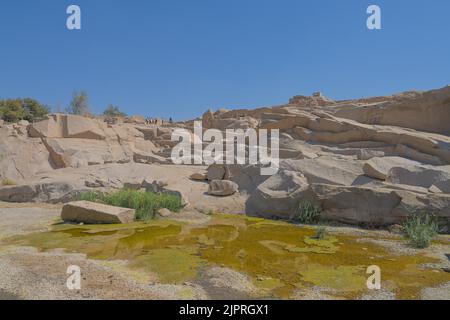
point(279, 257)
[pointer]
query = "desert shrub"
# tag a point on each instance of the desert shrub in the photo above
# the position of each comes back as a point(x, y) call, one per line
point(420, 229)
point(307, 212)
point(321, 233)
point(114, 111)
point(8, 182)
point(14, 110)
point(79, 104)
point(146, 204)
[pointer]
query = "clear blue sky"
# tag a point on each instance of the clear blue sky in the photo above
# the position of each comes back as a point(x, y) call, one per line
point(180, 57)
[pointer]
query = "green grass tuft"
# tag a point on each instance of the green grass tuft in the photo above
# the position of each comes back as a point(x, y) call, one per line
point(420, 229)
point(91, 196)
point(146, 204)
point(308, 212)
point(321, 233)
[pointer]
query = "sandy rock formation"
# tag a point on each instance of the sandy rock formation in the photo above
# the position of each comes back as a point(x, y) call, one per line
point(379, 168)
point(422, 176)
point(278, 196)
point(423, 111)
point(368, 161)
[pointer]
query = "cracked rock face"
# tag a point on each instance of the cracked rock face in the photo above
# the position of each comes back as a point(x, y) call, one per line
point(366, 161)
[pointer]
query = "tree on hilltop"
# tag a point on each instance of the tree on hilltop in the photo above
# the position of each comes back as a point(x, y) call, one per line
point(13, 110)
point(79, 104)
point(114, 111)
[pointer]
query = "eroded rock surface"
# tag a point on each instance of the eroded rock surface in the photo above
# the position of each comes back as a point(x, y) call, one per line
point(366, 161)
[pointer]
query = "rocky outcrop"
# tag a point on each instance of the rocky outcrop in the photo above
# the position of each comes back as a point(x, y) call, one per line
point(424, 111)
point(422, 176)
point(225, 120)
point(379, 168)
point(279, 196)
point(357, 205)
point(46, 191)
point(67, 126)
point(96, 213)
point(325, 129)
point(368, 161)
point(377, 207)
point(326, 170)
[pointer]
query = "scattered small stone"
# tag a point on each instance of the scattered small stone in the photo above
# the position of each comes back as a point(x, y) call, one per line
point(396, 229)
point(222, 188)
point(198, 177)
point(216, 172)
point(164, 212)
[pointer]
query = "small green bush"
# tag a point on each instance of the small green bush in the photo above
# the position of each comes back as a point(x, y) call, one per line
point(8, 182)
point(14, 110)
point(307, 212)
point(420, 229)
point(321, 233)
point(146, 204)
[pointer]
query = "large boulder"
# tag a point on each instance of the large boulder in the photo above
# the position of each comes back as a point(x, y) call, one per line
point(422, 176)
point(216, 172)
point(248, 177)
point(441, 187)
point(95, 213)
point(325, 169)
point(377, 206)
point(22, 158)
point(45, 191)
point(222, 188)
point(356, 205)
point(78, 153)
point(82, 128)
point(278, 196)
point(379, 168)
point(415, 203)
point(67, 126)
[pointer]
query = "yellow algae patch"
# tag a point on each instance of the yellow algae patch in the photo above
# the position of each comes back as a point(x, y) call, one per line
point(280, 258)
point(267, 283)
point(342, 278)
point(143, 239)
point(173, 266)
point(142, 277)
point(278, 247)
